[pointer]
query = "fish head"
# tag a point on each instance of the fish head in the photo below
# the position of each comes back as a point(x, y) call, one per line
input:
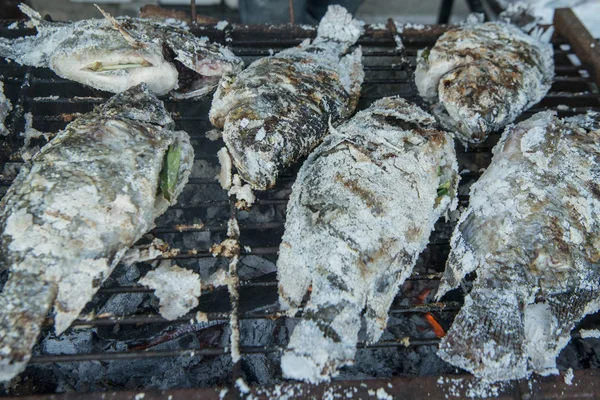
point(201, 65)
point(116, 54)
point(140, 104)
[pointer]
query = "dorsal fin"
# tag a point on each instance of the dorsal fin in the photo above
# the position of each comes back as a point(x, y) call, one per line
point(136, 44)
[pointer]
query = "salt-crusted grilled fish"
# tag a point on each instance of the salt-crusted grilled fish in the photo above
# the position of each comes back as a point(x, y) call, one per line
point(481, 76)
point(115, 54)
point(5, 107)
point(70, 215)
point(532, 234)
point(277, 110)
point(360, 213)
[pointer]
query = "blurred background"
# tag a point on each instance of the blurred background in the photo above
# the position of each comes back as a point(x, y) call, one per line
point(310, 11)
point(371, 11)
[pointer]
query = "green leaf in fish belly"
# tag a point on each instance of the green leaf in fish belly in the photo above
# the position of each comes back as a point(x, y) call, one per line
point(88, 195)
point(531, 231)
point(95, 53)
point(361, 211)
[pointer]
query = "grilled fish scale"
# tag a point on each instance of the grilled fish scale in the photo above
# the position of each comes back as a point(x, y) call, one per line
point(70, 215)
point(360, 212)
point(277, 110)
point(482, 76)
point(532, 234)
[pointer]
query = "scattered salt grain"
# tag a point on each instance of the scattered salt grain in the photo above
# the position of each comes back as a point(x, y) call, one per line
point(569, 376)
point(589, 333)
point(201, 317)
point(222, 393)
point(242, 385)
point(260, 135)
point(177, 289)
point(214, 134)
point(224, 176)
point(243, 193)
point(383, 395)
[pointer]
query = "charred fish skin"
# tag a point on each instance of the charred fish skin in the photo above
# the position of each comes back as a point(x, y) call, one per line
point(115, 54)
point(360, 213)
point(482, 76)
point(5, 108)
point(278, 109)
point(532, 235)
point(70, 215)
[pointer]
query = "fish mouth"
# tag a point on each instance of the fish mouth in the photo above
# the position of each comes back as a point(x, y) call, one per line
point(194, 82)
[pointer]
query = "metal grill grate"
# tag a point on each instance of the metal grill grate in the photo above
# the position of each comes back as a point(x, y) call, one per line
point(53, 102)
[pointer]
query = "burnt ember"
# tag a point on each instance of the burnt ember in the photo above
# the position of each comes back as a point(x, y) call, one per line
point(120, 342)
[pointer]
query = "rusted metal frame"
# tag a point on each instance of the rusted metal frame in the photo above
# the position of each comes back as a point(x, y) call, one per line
point(584, 386)
point(582, 42)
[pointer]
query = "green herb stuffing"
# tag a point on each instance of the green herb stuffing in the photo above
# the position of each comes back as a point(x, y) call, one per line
point(443, 189)
point(170, 171)
point(425, 54)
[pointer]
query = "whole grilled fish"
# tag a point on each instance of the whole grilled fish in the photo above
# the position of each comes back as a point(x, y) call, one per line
point(5, 107)
point(277, 110)
point(360, 213)
point(482, 76)
point(115, 54)
point(70, 215)
point(532, 234)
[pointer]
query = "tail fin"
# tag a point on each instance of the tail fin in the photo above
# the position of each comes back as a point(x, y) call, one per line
point(322, 342)
point(487, 336)
point(34, 16)
point(548, 325)
point(24, 303)
point(338, 24)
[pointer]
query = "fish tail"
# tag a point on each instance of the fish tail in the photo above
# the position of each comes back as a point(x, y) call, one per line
point(338, 24)
point(322, 342)
point(24, 304)
point(294, 278)
point(487, 336)
point(34, 16)
point(548, 324)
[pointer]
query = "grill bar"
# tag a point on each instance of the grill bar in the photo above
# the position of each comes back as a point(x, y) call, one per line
point(131, 355)
point(267, 314)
